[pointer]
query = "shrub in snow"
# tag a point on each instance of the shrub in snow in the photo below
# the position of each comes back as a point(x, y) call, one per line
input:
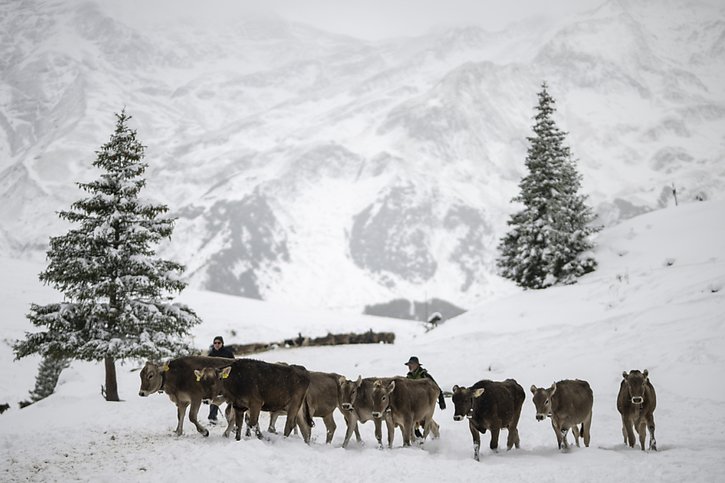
point(117, 292)
point(549, 240)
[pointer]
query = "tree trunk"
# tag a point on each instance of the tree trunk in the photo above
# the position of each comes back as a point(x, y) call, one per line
point(111, 384)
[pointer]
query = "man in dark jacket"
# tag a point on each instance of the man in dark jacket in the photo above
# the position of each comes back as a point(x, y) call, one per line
point(218, 350)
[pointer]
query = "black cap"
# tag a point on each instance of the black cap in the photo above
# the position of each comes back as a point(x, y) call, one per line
point(412, 360)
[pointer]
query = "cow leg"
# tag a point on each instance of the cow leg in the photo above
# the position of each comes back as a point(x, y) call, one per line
point(231, 417)
point(628, 431)
point(575, 432)
point(435, 429)
point(378, 422)
point(351, 422)
point(560, 439)
point(513, 438)
point(180, 414)
point(651, 427)
point(642, 431)
point(330, 427)
point(273, 422)
point(408, 428)
point(254, 410)
point(586, 428)
point(292, 409)
point(390, 425)
point(239, 416)
point(476, 440)
point(193, 413)
point(494, 439)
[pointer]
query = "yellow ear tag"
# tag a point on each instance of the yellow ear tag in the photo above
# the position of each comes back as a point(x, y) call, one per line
point(198, 378)
point(165, 368)
point(224, 375)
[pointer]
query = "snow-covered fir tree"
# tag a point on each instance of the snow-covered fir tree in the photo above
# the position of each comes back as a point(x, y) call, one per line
point(550, 238)
point(117, 292)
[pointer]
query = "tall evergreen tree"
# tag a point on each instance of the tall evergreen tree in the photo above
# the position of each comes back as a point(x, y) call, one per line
point(47, 378)
point(549, 238)
point(117, 292)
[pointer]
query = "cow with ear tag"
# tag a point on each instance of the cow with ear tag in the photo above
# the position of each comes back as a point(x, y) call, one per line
point(568, 403)
point(636, 403)
point(490, 405)
point(176, 378)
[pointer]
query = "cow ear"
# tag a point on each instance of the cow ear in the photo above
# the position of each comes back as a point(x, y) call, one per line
point(645, 373)
point(197, 373)
point(341, 380)
point(533, 389)
point(478, 392)
point(624, 374)
point(391, 387)
point(225, 372)
point(455, 388)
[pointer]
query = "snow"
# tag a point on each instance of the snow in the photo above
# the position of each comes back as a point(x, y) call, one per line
point(656, 302)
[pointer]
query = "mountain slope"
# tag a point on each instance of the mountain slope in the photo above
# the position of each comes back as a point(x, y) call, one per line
point(306, 166)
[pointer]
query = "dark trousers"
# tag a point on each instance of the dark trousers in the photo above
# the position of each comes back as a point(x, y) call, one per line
point(213, 411)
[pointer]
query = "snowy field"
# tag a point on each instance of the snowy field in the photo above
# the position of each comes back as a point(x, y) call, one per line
point(657, 302)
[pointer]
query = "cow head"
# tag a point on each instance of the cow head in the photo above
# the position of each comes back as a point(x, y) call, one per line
point(636, 382)
point(542, 401)
point(152, 378)
point(463, 399)
point(381, 397)
point(210, 380)
point(348, 392)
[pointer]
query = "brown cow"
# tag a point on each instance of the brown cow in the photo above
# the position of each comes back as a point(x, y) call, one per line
point(254, 386)
point(357, 405)
point(568, 403)
point(490, 405)
point(406, 402)
point(176, 378)
point(636, 403)
point(323, 396)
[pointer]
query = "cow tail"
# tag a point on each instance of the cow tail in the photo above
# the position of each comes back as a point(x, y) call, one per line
point(581, 433)
point(307, 413)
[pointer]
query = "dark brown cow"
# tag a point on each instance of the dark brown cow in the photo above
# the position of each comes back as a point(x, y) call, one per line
point(568, 403)
point(255, 386)
point(357, 404)
point(176, 379)
point(636, 403)
point(406, 402)
point(323, 397)
point(490, 405)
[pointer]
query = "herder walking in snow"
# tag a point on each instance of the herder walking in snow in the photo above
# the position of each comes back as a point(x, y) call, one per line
point(217, 350)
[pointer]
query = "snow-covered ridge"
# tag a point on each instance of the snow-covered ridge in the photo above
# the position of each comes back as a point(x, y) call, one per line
point(313, 132)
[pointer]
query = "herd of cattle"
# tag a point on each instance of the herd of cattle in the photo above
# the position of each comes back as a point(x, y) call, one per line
point(250, 386)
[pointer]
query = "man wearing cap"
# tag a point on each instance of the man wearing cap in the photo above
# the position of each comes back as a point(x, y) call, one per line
point(218, 350)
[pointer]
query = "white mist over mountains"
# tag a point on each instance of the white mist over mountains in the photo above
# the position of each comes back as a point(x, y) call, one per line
point(314, 168)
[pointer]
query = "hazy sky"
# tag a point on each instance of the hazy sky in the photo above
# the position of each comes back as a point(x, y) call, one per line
point(367, 19)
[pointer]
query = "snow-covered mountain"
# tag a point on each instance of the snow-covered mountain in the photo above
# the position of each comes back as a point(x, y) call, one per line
point(318, 169)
